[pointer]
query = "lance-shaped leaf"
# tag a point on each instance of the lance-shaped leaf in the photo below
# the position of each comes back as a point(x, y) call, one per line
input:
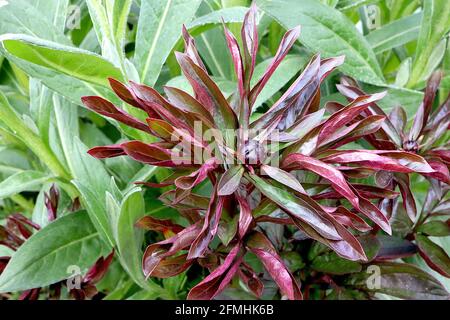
point(435, 256)
point(409, 203)
point(235, 52)
point(400, 280)
point(396, 161)
point(435, 228)
point(347, 114)
point(208, 93)
point(349, 89)
point(161, 128)
point(124, 93)
point(295, 102)
point(153, 101)
point(367, 191)
point(217, 280)
point(348, 218)
point(209, 229)
point(245, 216)
point(107, 151)
point(296, 207)
point(106, 108)
point(283, 177)
point(298, 161)
point(441, 171)
point(423, 113)
point(264, 250)
point(167, 227)
point(251, 280)
point(190, 202)
point(353, 132)
point(153, 154)
point(398, 118)
point(439, 114)
point(392, 248)
point(230, 180)
point(310, 217)
point(286, 43)
point(157, 252)
point(249, 34)
point(372, 212)
point(190, 181)
point(185, 102)
point(190, 48)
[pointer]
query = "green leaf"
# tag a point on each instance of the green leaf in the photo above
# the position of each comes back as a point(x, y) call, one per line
point(395, 34)
point(6, 251)
point(44, 258)
point(435, 229)
point(54, 11)
point(211, 44)
point(435, 24)
point(400, 280)
point(434, 255)
point(92, 187)
point(77, 63)
point(209, 20)
point(11, 119)
point(110, 24)
point(129, 237)
point(159, 29)
point(403, 73)
point(329, 32)
point(22, 181)
point(333, 264)
point(41, 19)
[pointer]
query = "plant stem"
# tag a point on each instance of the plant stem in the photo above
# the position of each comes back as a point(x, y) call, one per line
point(10, 117)
point(23, 202)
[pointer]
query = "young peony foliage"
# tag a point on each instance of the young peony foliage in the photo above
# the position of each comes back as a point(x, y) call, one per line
point(280, 168)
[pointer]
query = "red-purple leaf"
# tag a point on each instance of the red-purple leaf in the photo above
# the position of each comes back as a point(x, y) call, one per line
point(208, 93)
point(164, 226)
point(187, 103)
point(155, 253)
point(408, 198)
point(295, 102)
point(396, 161)
point(190, 48)
point(217, 280)
point(298, 161)
point(283, 177)
point(286, 43)
point(106, 108)
point(190, 181)
point(424, 110)
point(245, 216)
point(347, 114)
point(297, 208)
point(251, 280)
point(98, 271)
point(107, 151)
point(392, 248)
point(209, 229)
point(264, 250)
point(230, 180)
point(235, 52)
point(249, 34)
